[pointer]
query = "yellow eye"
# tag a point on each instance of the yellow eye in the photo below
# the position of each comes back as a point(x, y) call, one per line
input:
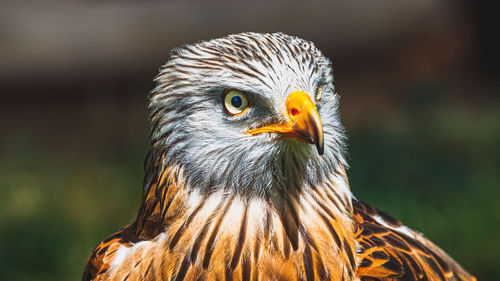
point(235, 102)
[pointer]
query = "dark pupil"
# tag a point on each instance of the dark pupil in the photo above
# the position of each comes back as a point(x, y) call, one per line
point(236, 101)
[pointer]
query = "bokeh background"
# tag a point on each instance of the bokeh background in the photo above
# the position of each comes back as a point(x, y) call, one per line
point(419, 86)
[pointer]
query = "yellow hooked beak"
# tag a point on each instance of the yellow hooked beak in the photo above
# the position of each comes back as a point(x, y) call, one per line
point(303, 124)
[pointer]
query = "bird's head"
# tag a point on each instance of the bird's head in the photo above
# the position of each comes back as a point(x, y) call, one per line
point(251, 113)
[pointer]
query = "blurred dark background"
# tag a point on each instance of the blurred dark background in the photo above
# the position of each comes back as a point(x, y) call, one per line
point(419, 86)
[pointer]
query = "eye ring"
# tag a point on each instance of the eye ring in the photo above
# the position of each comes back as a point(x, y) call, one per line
point(235, 102)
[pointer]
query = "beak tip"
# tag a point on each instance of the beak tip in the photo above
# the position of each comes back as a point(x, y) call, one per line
point(321, 149)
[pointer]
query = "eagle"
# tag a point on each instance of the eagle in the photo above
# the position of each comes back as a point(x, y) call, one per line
point(245, 178)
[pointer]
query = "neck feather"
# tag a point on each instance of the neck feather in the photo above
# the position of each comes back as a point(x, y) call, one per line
point(315, 222)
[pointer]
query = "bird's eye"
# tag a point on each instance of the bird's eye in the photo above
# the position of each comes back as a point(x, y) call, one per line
point(319, 93)
point(235, 102)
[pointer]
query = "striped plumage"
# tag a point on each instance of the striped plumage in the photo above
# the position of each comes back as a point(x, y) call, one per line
point(247, 196)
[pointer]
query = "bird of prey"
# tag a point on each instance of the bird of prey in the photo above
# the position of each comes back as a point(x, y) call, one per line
point(245, 178)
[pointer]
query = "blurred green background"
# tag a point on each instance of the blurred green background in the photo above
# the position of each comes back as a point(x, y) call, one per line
point(419, 98)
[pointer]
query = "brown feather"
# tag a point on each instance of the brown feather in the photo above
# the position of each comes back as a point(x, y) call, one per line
point(225, 237)
point(391, 251)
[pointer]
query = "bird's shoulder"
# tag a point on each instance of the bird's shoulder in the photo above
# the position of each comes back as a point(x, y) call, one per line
point(388, 250)
point(104, 253)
